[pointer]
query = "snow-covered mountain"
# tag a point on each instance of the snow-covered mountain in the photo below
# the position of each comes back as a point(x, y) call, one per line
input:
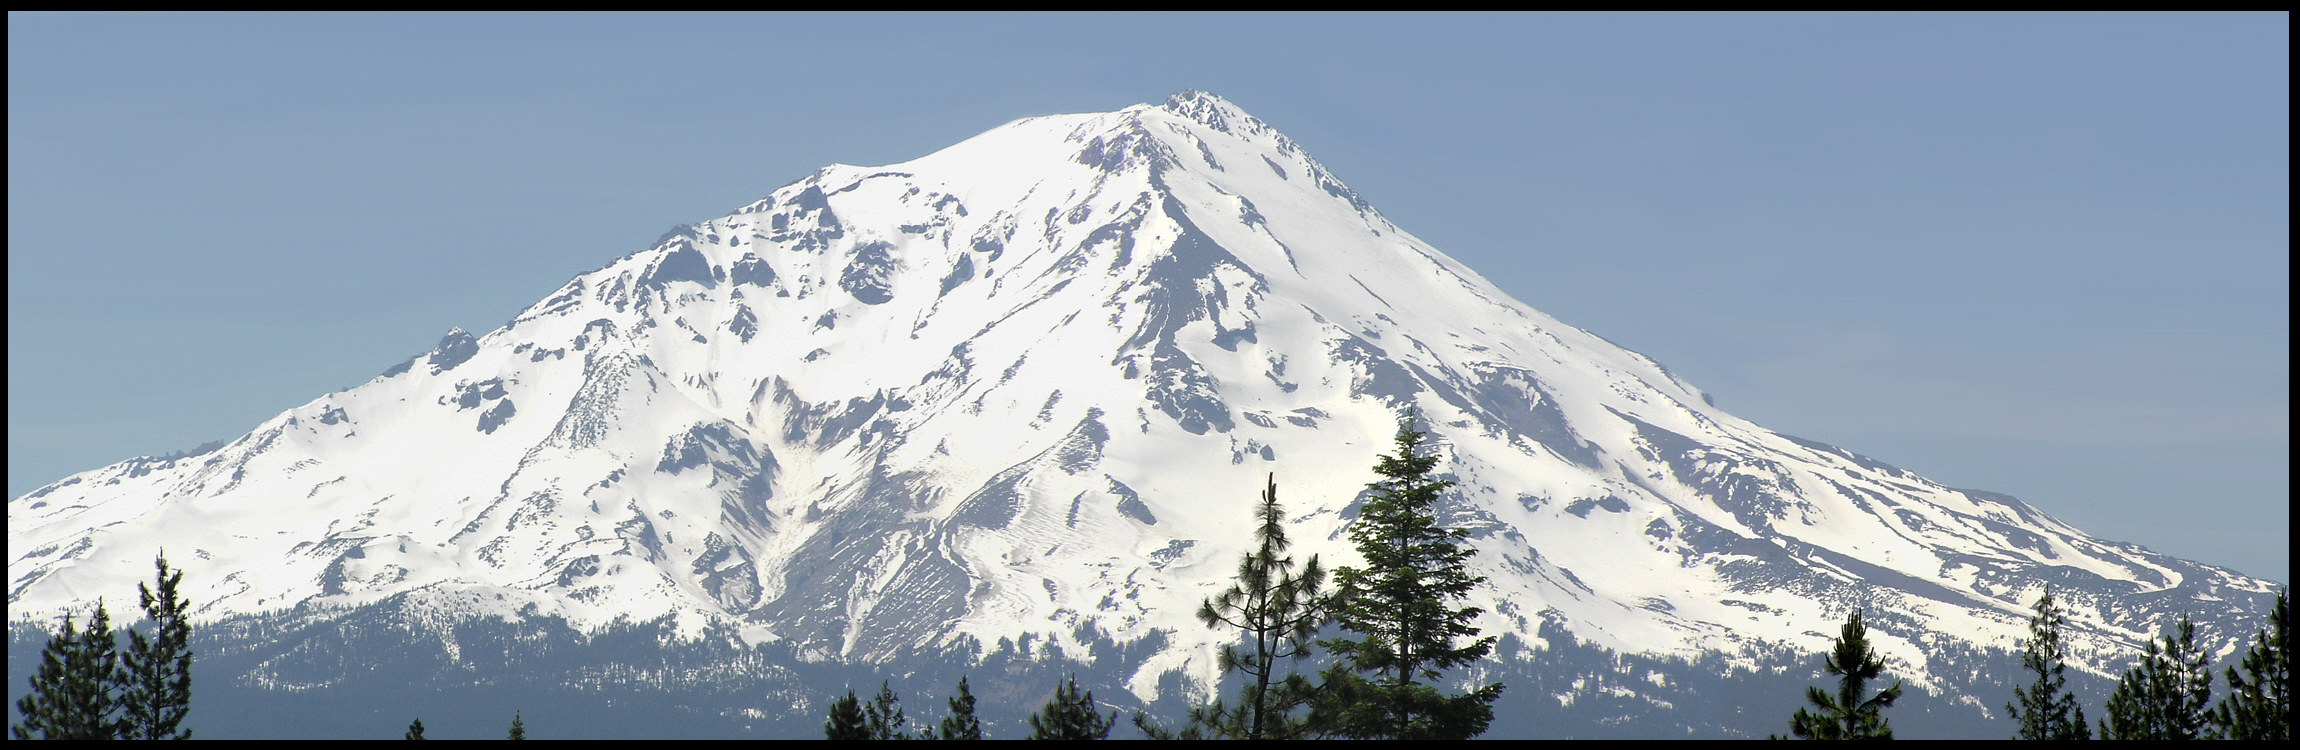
point(1032, 383)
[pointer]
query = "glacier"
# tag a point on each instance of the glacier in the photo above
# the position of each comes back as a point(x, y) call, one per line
point(1025, 389)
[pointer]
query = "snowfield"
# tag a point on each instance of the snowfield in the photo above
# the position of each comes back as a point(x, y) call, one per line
point(1032, 383)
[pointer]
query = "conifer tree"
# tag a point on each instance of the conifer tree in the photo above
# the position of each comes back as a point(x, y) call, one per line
point(158, 690)
point(846, 722)
point(42, 710)
point(1194, 730)
point(74, 694)
point(2167, 696)
point(2127, 716)
point(883, 718)
point(518, 727)
point(960, 724)
point(414, 729)
point(1399, 606)
point(1070, 716)
point(2044, 710)
point(1276, 612)
point(1848, 716)
point(2259, 702)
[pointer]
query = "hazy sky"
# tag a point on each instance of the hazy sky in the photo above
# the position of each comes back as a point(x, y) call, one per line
point(2042, 255)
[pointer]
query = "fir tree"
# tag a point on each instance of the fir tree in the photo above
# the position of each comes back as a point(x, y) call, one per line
point(1847, 716)
point(42, 710)
point(2167, 696)
point(2127, 716)
point(960, 724)
point(846, 722)
point(414, 729)
point(883, 718)
point(74, 694)
point(1195, 730)
point(158, 690)
point(518, 727)
point(1070, 716)
point(1399, 606)
point(2044, 710)
point(2259, 702)
point(1276, 611)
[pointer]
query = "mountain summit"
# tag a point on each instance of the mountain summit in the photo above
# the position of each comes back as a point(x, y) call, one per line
point(1028, 386)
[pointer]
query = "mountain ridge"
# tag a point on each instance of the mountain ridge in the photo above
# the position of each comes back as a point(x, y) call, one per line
point(775, 420)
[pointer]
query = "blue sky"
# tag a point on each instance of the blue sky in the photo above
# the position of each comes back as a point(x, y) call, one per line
point(2040, 254)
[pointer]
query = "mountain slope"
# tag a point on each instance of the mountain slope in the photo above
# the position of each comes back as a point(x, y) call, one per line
point(1030, 384)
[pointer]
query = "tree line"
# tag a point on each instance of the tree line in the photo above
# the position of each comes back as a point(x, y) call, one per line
point(2166, 696)
point(1400, 617)
point(1401, 628)
point(87, 689)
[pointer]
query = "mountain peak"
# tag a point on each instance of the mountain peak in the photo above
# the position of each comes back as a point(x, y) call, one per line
point(1005, 389)
point(1212, 111)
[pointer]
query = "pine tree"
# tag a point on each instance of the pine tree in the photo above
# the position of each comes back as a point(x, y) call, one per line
point(414, 729)
point(1276, 611)
point(74, 694)
point(518, 727)
point(2167, 696)
point(42, 710)
point(1195, 730)
point(2044, 711)
point(846, 722)
point(1398, 605)
point(883, 718)
point(158, 670)
point(2128, 717)
point(2259, 702)
point(960, 724)
point(1848, 716)
point(1070, 716)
